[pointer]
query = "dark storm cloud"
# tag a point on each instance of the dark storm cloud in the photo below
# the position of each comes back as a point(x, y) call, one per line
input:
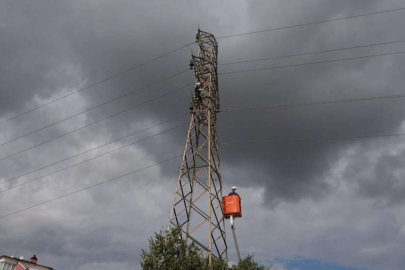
point(37, 60)
point(310, 161)
point(291, 171)
point(50, 48)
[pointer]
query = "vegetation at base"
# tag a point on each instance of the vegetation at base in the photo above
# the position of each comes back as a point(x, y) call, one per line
point(168, 251)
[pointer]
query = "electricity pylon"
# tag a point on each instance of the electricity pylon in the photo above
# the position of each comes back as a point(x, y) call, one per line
point(197, 203)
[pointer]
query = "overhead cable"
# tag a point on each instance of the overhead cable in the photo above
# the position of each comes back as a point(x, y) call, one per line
point(311, 63)
point(311, 103)
point(92, 108)
point(93, 158)
point(88, 187)
point(94, 148)
point(97, 83)
point(311, 23)
point(98, 121)
point(315, 52)
point(312, 139)
point(189, 44)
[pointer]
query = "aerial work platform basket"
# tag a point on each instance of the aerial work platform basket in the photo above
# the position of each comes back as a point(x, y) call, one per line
point(232, 206)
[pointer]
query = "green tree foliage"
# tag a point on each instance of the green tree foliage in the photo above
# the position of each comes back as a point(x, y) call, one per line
point(249, 264)
point(168, 251)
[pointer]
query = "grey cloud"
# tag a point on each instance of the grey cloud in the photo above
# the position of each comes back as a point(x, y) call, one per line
point(376, 171)
point(53, 48)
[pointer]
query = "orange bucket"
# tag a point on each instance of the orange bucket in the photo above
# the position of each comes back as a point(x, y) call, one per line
point(231, 206)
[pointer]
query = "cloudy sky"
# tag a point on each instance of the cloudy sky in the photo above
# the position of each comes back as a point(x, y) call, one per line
point(312, 204)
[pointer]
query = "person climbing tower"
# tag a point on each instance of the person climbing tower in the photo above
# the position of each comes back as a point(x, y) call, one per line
point(197, 91)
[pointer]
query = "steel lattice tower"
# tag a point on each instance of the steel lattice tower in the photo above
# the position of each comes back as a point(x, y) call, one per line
point(197, 203)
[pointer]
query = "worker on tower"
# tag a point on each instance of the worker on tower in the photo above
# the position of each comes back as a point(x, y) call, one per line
point(197, 91)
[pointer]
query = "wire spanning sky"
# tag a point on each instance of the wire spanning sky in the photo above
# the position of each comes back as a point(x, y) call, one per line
point(336, 202)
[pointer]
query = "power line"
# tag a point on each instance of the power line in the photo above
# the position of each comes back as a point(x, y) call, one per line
point(222, 143)
point(97, 83)
point(311, 23)
point(315, 52)
point(93, 123)
point(97, 106)
point(84, 161)
point(225, 73)
point(311, 103)
point(88, 187)
point(312, 139)
point(224, 110)
point(94, 148)
point(185, 46)
point(311, 63)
